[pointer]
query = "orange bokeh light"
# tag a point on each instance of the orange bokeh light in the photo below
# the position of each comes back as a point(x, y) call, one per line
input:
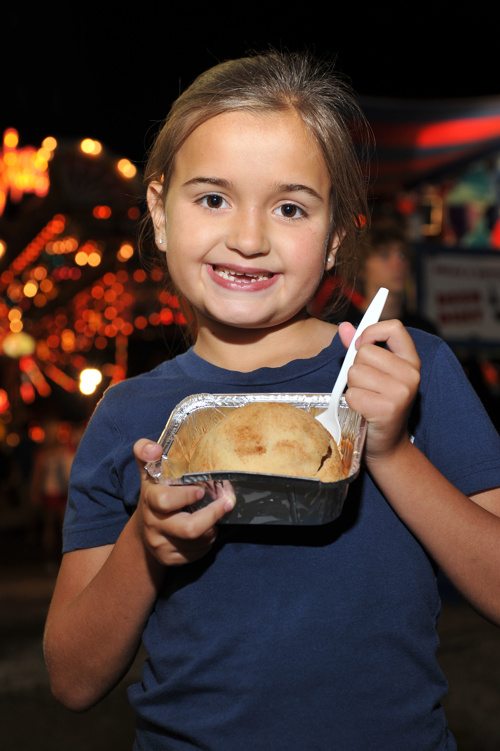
point(101, 212)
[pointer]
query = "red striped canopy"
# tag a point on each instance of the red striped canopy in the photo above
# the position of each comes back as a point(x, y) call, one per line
point(416, 140)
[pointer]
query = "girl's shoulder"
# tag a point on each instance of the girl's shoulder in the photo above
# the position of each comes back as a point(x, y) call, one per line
point(440, 371)
point(424, 340)
point(429, 347)
point(145, 382)
point(140, 405)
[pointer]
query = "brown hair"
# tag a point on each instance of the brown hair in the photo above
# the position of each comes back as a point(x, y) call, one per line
point(274, 82)
point(375, 241)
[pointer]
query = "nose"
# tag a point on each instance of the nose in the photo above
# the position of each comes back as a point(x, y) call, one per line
point(248, 233)
point(399, 261)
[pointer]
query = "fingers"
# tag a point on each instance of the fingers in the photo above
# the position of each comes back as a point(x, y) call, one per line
point(174, 535)
point(380, 369)
point(383, 383)
point(395, 370)
point(394, 334)
point(379, 397)
point(167, 508)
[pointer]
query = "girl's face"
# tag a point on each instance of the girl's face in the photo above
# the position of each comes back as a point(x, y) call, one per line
point(246, 220)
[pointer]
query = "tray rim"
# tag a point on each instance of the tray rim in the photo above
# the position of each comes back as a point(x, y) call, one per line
point(317, 399)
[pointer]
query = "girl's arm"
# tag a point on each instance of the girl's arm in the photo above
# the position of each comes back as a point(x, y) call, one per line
point(462, 534)
point(103, 596)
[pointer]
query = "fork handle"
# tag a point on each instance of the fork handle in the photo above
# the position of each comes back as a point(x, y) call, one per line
point(372, 315)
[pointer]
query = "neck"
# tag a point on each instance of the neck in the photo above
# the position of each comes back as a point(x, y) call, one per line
point(245, 350)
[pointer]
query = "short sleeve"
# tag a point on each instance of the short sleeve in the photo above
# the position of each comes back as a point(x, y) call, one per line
point(451, 425)
point(104, 485)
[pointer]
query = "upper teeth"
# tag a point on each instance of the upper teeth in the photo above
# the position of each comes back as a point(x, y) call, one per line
point(229, 274)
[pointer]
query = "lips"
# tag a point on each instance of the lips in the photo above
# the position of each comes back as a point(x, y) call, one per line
point(241, 279)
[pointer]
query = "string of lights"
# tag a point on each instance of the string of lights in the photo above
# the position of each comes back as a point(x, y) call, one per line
point(74, 294)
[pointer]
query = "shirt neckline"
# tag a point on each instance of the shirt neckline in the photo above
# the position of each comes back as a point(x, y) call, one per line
point(197, 368)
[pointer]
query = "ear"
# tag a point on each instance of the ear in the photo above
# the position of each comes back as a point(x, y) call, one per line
point(333, 247)
point(156, 205)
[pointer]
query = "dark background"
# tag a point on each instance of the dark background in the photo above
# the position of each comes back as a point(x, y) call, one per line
point(89, 70)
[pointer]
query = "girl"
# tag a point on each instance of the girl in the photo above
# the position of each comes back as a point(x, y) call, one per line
point(265, 637)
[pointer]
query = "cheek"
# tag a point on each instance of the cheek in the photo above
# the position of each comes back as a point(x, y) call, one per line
point(312, 253)
point(308, 266)
point(373, 269)
point(177, 265)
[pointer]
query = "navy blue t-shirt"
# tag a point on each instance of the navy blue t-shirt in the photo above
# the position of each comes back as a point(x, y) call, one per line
point(288, 638)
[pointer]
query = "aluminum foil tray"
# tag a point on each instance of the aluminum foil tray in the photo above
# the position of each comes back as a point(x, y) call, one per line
point(260, 499)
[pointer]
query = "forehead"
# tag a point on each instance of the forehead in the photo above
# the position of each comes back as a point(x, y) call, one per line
point(389, 247)
point(265, 141)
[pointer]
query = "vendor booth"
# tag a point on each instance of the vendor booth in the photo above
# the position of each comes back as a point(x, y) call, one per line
point(436, 165)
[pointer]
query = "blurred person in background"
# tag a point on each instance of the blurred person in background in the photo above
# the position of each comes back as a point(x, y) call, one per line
point(385, 260)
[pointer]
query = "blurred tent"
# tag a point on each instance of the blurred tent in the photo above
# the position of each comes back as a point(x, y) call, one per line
point(420, 139)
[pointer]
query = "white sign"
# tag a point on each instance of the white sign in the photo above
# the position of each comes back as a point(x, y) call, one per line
point(461, 294)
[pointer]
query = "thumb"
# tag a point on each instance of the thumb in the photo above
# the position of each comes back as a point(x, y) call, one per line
point(146, 451)
point(346, 333)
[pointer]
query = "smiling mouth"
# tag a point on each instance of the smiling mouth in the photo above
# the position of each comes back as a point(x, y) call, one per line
point(243, 277)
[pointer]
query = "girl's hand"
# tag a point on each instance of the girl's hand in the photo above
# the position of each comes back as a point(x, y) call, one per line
point(382, 384)
point(172, 535)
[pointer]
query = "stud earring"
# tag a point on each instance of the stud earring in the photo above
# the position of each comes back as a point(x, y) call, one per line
point(160, 240)
point(329, 259)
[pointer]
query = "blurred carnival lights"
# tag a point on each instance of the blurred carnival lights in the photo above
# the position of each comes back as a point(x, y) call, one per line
point(90, 378)
point(53, 343)
point(91, 147)
point(23, 169)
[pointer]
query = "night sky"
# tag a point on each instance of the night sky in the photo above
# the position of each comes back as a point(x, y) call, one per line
point(91, 71)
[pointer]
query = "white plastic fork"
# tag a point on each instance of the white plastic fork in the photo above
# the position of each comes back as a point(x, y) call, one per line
point(330, 417)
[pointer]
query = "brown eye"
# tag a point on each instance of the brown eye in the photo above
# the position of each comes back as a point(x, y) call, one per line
point(291, 211)
point(214, 201)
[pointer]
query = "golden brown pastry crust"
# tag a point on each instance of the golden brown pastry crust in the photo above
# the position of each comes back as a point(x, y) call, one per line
point(269, 438)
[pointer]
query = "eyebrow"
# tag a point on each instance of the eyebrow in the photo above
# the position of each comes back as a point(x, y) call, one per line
point(218, 181)
point(294, 188)
point(278, 187)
